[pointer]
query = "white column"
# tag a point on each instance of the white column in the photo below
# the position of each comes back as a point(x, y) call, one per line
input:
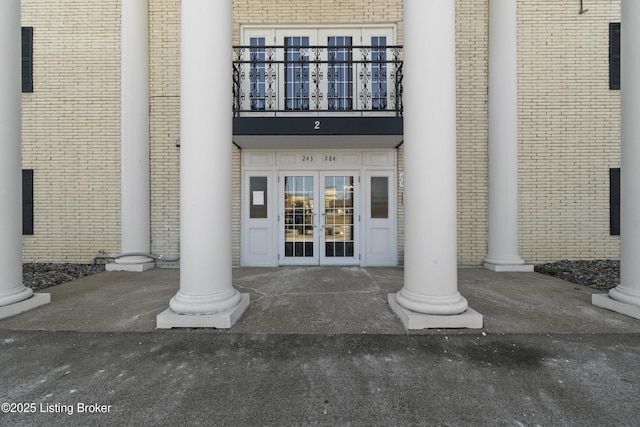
point(430, 297)
point(625, 298)
point(503, 138)
point(134, 145)
point(14, 296)
point(206, 297)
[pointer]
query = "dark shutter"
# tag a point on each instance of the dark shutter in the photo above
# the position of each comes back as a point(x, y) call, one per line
point(614, 55)
point(27, 59)
point(614, 201)
point(27, 201)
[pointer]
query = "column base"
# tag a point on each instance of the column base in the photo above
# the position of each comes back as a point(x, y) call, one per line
point(605, 301)
point(137, 268)
point(223, 320)
point(502, 268)
point(412, 320)
point(36, 300)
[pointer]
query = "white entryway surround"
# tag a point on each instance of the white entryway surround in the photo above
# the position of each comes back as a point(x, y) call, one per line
point(374, 238)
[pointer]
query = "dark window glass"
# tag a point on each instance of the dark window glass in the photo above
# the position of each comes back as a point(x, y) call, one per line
point(379, 197)
point(338, 249)
point(258, 195)
point(614, 55)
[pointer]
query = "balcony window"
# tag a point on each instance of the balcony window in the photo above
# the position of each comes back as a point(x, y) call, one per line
point(306, 71)
point(297, 73)
point(257, 70)
point(340, 74)
point(378, 73)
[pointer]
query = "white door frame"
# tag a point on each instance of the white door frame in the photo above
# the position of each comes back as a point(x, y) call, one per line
point(375, 239)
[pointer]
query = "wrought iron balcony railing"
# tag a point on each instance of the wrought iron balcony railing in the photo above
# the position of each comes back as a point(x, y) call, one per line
point(301, 80)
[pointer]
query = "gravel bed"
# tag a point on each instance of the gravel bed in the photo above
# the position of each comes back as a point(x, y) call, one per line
point(601, 274)
point(39, 276)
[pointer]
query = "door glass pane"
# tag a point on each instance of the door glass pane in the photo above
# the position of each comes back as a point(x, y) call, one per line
point(338, 216)
point(297, 73)
point(379, 197)
point(339, 74)
point(298, 216)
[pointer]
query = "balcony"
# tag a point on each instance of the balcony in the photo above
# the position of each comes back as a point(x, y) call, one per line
point(288, 97)
point(336, 81)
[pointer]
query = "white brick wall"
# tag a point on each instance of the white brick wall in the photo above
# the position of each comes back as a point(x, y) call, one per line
point(317, 12)
point(164, 69)
point(471, 63)
point(71, 129)
point(569, 130)
point(568, 125)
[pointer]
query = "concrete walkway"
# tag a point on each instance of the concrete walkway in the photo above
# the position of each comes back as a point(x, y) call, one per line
point(320, 346)
point(323, 300)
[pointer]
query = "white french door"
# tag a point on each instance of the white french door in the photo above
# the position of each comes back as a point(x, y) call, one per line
point(336, 69)
point(339, 218)
point(298, 218)
point(319, 218)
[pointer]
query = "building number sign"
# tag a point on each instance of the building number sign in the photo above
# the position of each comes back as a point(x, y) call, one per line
point(325, 158)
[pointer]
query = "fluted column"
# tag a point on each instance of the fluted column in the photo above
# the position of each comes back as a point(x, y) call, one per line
point(430, 297)
point(134, 131)
point(206, 297)
point(14, 296)
point(503, 138)
point(625, 298)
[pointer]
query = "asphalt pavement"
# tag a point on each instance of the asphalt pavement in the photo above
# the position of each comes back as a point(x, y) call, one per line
point(320, 347)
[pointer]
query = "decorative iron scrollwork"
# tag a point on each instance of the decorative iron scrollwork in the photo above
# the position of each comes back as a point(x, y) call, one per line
point(317, 78)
